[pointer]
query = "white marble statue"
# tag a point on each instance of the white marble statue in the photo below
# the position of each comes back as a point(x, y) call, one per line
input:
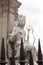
point(18, 31)
point(16, 35)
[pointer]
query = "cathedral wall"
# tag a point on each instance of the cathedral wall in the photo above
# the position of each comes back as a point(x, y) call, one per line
point(0, 27)
point(3, 28)
point(11, 22)
point(12, 19)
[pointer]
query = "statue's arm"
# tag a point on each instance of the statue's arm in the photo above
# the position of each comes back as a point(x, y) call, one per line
point(13, 35)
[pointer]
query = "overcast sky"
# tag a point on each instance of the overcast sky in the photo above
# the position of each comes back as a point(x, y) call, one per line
point(33, 10)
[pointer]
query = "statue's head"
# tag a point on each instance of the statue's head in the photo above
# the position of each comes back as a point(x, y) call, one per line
point(21, 20)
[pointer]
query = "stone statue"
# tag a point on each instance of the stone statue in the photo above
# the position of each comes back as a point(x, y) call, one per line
point(18, 31)
point(16, 35)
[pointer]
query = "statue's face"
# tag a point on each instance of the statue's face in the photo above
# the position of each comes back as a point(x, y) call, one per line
point(21, 21)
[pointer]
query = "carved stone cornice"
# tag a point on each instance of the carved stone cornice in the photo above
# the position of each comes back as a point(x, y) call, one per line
point(14, 3)
point(11, 5)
